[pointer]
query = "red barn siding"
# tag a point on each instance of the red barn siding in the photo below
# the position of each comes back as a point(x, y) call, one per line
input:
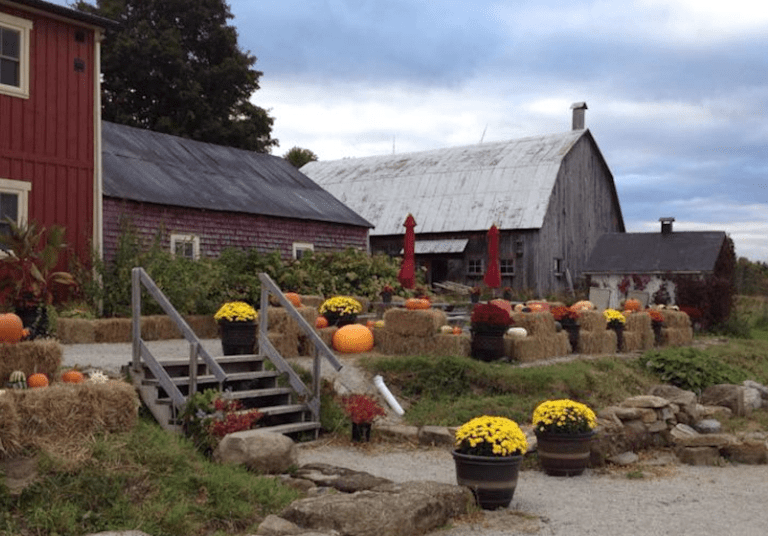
point(219, 229)
point(48, 139)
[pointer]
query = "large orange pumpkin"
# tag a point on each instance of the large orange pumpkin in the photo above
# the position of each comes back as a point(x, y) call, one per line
point(294, 298)
point(37, 380)
point(73, 376)
point(321, 322)
point(417, 303)
point(632, 305)
point(353, 339)
point(11, 328)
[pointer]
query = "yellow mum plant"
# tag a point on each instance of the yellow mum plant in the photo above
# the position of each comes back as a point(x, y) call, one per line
point(563, 417)
point(614, 318)
point(491, 436)
point(341, 305)
point(236, 312)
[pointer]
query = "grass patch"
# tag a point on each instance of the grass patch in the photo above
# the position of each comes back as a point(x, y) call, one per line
point(147, 480)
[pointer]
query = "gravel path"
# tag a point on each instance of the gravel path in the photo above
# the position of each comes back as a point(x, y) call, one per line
point(668, 499)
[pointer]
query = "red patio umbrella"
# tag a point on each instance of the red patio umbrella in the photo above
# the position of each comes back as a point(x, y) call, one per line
point(493, 274)
point(407, 275)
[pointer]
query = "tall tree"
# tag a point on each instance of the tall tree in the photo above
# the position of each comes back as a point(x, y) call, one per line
point(174, 66)
point(299, 156)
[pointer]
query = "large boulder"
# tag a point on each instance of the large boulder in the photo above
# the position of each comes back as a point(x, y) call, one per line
point(725, 395)
point(261, 451)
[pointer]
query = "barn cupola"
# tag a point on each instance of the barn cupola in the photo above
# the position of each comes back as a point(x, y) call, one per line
point(579, 109)
point(666, 225)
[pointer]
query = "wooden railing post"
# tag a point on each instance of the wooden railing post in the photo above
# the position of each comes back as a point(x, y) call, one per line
point(136, 320)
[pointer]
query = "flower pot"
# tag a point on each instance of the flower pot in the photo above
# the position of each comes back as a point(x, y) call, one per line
point(492, 479)
point(34, 318)
point(573, 334)
point(474, 298)
point(386, 297)
point(564, 454)
point(361, 432)
point(487, 341)
point(619, 330)
point(657, 333)
point(238, 338)
point(335, 319)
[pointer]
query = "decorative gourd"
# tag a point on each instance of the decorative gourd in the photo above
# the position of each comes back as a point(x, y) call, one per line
point(632, 305)
point(370, 324)
point(353, 339)
point(517, 332)
point(321, 322)
point(379, 324)
point(417, 303)
point(73, 376)
point(11, 328)
point(37, 380)
point(457, 330)
point(294, 298)
point(17, 380)
point(446, 329)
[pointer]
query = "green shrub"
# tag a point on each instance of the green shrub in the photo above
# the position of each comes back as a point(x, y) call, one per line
point(689, 368)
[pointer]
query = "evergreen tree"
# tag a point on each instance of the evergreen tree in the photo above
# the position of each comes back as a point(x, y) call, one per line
point(174, 66)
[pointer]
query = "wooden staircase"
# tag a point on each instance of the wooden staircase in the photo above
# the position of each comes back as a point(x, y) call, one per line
point(263, 381)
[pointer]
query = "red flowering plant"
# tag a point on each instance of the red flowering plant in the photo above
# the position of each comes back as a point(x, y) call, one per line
point(208, 417)
point(564, 315)
point(656, 316)
point(361, 408)
point(490, 318)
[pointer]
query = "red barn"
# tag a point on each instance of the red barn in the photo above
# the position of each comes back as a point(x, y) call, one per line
point(50, 118)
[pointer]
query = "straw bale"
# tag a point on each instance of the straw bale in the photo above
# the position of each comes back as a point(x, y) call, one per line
point(676, 319)
point(597, 342)
point(633, 341)
point(312, 301)
point(10, 430)
point(365, 302)
point(536, 324)
point(592, 321)
point(30, 356)
point(677, 336)
point(389, 342)
point(526, 350)
point(638, 322)
point(286, 345)
point(418, 323)
point(449, 344)
point(75, 331)
point(204, 326)
point(112, 330)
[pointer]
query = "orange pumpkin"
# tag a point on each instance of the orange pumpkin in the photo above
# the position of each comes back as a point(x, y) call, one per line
point(294, 298)
point(321, 322)
point(457, 330)
point(73, 376)
point(37, 380)
point(370, 324)
point(632, 305)
point(11, 328)
point(352, 339)
point(417, 303)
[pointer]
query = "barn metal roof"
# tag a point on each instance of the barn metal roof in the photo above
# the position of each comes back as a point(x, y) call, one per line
point(457, 189)
point(628, 253)
point(67, 12)
point(427, 247)
point(147, 166)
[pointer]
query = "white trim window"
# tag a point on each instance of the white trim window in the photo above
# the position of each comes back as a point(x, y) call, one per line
point(185, 245)
point(14, 55)
point(14, 202)
point(475, 267)
point(507, 266)
point(301, 248)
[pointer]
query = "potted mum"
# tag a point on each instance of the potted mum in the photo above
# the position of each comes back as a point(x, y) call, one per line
point(489, 323)
point(474, 294)
point(616, 321)
point(488, 452)
point(361, 410)
point(237, 325)
point(340, 310)
point(386, 293)
point(569, 320)
point(657, 322)
point(564, 431)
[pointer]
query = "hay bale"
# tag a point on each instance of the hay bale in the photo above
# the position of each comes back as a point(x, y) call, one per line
point(286, 345)
point(365, 302)
point(10, 430)
point(592, 321)
point(639, 324)
point(30, 356)
point(449, 344)
point(414, 323)
point(312, 301)
point(204, 326)
point(112, 330)
point(633, 341)
point(676, 336)
point(597, 342)
point(75, 331)
point(389, 342)
point(525, 350)
point(676, 319)
point(537, 324)
point(158, 328)
point(559, 345)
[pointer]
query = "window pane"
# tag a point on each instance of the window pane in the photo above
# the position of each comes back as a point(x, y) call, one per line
point(9, 43)
point(9, 206)
point(9, 72)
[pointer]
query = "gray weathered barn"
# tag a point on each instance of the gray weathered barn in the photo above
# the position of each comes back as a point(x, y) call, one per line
point(203, 198)
point(551, 197)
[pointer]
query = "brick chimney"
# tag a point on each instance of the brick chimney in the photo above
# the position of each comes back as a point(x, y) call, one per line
point(579, 109)
point(666, 225)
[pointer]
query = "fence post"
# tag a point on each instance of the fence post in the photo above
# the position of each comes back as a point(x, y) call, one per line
point(136, 320)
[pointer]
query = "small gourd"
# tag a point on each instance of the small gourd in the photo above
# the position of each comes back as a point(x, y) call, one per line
point(37, 380)
point(417, 303)
point(446, 329)
point(294, 298)
point(73, 376)
point(321, 322)
point(17, 380)
point(457, 330)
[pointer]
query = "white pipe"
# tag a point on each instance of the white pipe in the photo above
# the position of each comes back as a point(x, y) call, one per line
point(379, 382)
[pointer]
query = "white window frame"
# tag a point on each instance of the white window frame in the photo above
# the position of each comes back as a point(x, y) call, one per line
point(301, 247)
point(24, 27)
point(509, 262)
point(475, 262)
point(177, 238)
point(20, 189)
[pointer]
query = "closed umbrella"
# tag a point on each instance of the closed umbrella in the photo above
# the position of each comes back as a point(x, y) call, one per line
point(492, 277)
point(407, 275)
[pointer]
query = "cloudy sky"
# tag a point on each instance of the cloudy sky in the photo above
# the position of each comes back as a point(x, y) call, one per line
point(676, 89)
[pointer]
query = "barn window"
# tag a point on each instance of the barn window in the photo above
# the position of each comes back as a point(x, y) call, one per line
point(14, 55)
point(475, 267)
point(558, 266)
point(14, 200)
point(302, 248)
point(185, 245)
point(507, 266)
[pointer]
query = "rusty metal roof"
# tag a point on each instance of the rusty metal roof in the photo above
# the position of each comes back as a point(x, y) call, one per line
point(457, 189)
point(147, 166)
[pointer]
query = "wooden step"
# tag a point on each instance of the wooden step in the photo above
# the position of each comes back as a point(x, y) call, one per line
point(233, 377)
point(284, 409)
point(292, 427)
point(239, 395)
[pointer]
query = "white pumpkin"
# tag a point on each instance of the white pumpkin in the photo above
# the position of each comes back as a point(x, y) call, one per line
point(517, 332)
point(446, 329)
